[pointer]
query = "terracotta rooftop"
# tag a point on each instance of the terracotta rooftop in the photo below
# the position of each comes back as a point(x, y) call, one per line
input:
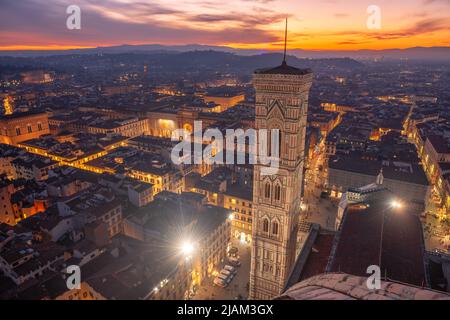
point(357, 245)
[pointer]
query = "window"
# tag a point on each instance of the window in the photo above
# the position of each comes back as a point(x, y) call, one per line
point(29, 128)
point(266, 225)
point(18, 131)
point(39, 126)
point(275, 228)
point(278, 192)
point(267, 190)
point(280, 141)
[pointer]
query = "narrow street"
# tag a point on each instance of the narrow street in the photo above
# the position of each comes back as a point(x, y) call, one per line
point(436, 231)
point(318, 210)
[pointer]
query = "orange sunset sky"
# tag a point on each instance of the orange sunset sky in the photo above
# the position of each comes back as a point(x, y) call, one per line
point(318, 24)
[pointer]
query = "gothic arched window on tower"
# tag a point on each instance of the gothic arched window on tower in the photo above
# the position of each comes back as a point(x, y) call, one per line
point(280, 143)
point(266, 225)
point(267, 190)
point(277, 192)
point(270, 140)
point(275, 228)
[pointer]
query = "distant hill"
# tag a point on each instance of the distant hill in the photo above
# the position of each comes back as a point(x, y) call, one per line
point(246, 64)
point(416, 53)
point(191, 61)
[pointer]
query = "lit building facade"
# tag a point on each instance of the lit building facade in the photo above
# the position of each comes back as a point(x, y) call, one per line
point(436, 151)
point(408, 182)
point(167, 180)
point(212, 250)
point(19, 127)
point(241, 207)
point(130, 127)
point(224, 102)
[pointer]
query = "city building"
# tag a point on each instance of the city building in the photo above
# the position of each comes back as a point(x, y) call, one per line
point(7, 154)
point(214, 185)
point(224, 98)
point(172, 220)
point(436, 151)
point(22, 126)
point(325, 121)
point(37, 77)
point(139, 193)
point(6, 208)
point(32, 166)
point(22, 262)
point(239, 200)
point(77, 152)
point(128, 270)
point(20, 199)
point(67, 181)
point(406, 179)
point(94, 205)
point(127, 127)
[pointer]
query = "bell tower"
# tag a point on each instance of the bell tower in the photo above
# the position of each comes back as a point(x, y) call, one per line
point(281, 103)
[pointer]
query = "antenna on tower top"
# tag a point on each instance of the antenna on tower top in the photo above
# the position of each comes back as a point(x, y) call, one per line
point(285, 41)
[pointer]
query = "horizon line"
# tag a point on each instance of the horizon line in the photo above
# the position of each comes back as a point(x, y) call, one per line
point(69, 48)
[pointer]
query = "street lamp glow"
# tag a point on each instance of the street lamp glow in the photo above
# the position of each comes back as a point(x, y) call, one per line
point(231, 216)
point(396, 204)
point(187, 248)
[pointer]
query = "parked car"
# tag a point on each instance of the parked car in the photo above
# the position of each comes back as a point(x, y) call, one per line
point(226, 278)
point(230, 268)
point(222, 276)
point(227, 273)
point(234, 262)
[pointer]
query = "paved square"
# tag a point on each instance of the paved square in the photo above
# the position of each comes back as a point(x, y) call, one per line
point(237, 287)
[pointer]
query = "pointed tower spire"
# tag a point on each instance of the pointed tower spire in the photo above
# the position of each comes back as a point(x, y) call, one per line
point(285, 41)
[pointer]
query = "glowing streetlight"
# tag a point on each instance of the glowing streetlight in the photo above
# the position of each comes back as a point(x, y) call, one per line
point(231, 217)
point(396, 204)
point(187, 249)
